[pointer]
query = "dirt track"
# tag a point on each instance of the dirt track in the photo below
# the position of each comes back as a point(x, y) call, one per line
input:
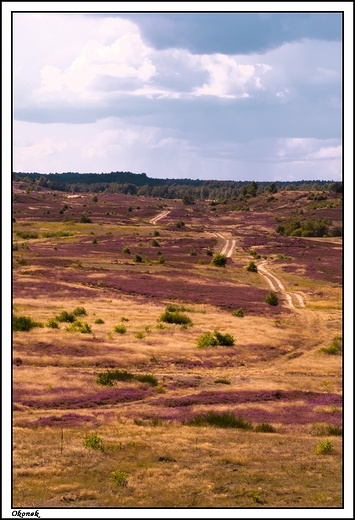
point(159, 216)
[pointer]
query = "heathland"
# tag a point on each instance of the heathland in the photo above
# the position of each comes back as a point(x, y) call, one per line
point(177, 352)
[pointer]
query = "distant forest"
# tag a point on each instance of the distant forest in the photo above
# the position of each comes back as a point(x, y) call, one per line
point(186, 189)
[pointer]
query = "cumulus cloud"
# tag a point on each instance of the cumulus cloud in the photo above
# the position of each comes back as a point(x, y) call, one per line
point(124, 103)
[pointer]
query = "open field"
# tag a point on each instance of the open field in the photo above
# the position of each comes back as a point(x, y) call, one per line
point(181, 423)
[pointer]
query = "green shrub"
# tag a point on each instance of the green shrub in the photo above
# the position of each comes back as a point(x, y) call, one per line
point(219, 260)
point(156, 233)
point(154, 243)
point(78, 326)
point(193, 252)
point(175, 317)
point(180, 224)
point(109, 377)
point(215, 339)
point(222, 381)
point(126, 250)
point(147, 378)
point(334, 348)
point(252, 267)
point(119, 478)
point(239, 313)
point(209, 252)
point(64, 316)
point(326, 429)
point(99, 321)
point(93, 442)
point(24, 324)
point(52, 323)
point(272, 299)
point(137, 258)
point(323, 448)
point(26, 234)
point(79, 311)
point(84, 219)
point(265, 428)
point(161, 259)
point(220, 420)
point(120, 329)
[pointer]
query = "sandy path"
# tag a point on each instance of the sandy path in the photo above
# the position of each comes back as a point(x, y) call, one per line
point(276, 285)
point(159, 216)
point(229, 245)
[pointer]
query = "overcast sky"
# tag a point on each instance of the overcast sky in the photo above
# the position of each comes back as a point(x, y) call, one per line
point(230, 96)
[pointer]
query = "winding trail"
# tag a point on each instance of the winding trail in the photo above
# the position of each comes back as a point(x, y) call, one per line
point(161, 215)
point(274, 282)
point(277, 285)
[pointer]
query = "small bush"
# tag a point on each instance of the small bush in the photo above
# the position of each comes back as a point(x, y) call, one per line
point(78, 326)
point(156, 233)
point(154, 243)
point(209, 252)
point(265, 428)
point(334, 348)
point(126, 250)
point(252, 267)
point(120, 329)
point(272, 299)
point(215, 339)
point(175, 317)
point(84, 219)
point(139, 335)
point(26, 234)
point(24, 324)
point(326, 429)
point(109, 377)
point(219, 260)
point(79, 311)
point(147, 378)
point(222, 381)
point(93, 442)
point(161, 259)
point(138, 258)
point(52, 323)
point(99, 321)
point(193, 252)
point(64, 316)
point(220, 420)
point(119, 478)
point(180, 224)
point(94, 241)
point(239, 313)
point(323, 448)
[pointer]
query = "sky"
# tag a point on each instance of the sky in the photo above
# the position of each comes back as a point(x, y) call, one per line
point(209, 95)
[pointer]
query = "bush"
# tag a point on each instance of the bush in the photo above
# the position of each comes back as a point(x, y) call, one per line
point(219, 260)
point(24, 324)
point(119, 478)
point(252, 267)
point(215, 339)
point(138, 258)
point(109, 377)
point(126, 250)
point(147, 378)
point(84, 219)
point(175, 317)
point(222, 381)
point(26, 235)
point(239, 313)
point(93, 442)
point(334, 348)
point(52, 323)
point(79, 311)
point(272, 299)
point(220, 420)
point(78, 326)
point(64, 316)
point(265, 428)
point(180, 224)
point(120, 329)
point(99, 321)
point(323, 448)
point(154, 243)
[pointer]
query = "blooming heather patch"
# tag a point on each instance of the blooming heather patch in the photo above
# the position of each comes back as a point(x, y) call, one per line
point(68, 401)
point(69, 419)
